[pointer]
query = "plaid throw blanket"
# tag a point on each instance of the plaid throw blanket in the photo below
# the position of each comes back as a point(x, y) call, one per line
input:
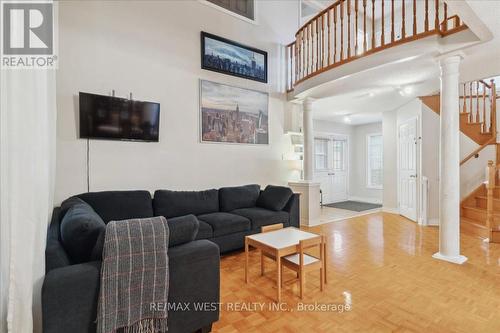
point(134, 277)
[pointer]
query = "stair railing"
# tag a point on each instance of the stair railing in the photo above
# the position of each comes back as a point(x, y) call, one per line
point(352, 29)
point(478, 106)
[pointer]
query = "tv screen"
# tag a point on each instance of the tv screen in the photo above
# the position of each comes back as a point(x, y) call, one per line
point(113, 118)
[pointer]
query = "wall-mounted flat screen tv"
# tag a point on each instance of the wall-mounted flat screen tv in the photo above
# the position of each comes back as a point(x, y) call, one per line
point(113, 118)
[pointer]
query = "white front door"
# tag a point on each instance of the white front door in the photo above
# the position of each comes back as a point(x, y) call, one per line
point(407, 165)
point(330, 167)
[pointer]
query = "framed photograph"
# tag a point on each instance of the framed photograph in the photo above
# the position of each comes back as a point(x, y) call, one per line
point(233, 115)
point(225, 56)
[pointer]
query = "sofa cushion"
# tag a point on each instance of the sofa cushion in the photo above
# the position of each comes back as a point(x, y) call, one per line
point(274, 197)
point(80, 228)
point(226, 223)
point(183, 229)
point(179, 203)
point(120, 205)
point(231, 198)
point(261, 216)
point(205, 231)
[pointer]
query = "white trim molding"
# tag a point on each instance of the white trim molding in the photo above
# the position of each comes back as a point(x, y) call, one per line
point(391, 210)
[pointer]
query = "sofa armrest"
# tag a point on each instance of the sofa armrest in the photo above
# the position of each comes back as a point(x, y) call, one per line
point(293, 209)
point(194, 280)
point(55, 255)
point(69, 298)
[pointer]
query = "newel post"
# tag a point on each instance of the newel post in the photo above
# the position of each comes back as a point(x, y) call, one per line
point(490, 188)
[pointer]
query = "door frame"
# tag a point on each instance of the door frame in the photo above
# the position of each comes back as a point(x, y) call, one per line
point(418, 167)
point(330, 136)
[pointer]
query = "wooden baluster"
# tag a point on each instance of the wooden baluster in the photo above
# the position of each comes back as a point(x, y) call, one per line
point(493, 108)
point(329, 39)
point(426, 22)
point(464, 100)
point(317, 43)
point(444, 27)
point(311, 56)
point(436, 20)
point(302, 52)
point(364, 26)
point(470, 101)
point(341, 30)
point(335, 34)
point(478, 116)
point(356, 30)
point(307, 51)
point(392, 21)
point(296, 49)
point(403, 31)
point(414, 17)
point(373, 24)
point(382, 36)
point(322, 41)
point(485, 127)
point(348, 29)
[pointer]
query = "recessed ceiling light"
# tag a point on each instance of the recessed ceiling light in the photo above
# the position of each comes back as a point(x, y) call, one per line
point(371, 94)
point(408, 90)
point(347, 119)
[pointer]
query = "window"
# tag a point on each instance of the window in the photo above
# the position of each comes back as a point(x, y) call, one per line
point(321, 154)
point(338, 155)
point(374, 148)
point(244, 8)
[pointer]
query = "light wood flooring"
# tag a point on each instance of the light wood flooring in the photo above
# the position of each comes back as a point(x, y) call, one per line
point(381, 266)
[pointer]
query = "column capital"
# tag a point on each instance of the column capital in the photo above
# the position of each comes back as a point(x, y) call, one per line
point(450, 58)
point(307, 103)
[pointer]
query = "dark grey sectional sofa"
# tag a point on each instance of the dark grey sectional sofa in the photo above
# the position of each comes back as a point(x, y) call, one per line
point(202, 225)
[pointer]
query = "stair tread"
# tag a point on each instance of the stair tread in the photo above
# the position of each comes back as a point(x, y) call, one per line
point(486, 198)
point(479, 209)
point(476, 223)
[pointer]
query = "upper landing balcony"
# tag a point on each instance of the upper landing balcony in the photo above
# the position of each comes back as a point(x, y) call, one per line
point(352, 36)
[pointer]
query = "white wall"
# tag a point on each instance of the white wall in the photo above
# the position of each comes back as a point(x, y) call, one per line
point(152, 49)
point(430, 160)
point(358, 171)
point(390, 134)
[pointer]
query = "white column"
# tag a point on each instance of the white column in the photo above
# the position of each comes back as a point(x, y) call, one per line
point(309, 190)
point(449, 166)
point(308, 138)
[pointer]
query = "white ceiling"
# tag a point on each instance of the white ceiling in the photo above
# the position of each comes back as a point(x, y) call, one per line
point(364, 96)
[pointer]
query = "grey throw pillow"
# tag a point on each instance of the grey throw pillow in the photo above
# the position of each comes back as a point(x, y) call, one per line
point(80, 229)
point(274, 197)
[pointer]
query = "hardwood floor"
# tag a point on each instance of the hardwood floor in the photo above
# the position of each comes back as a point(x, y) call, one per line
point(381, 266)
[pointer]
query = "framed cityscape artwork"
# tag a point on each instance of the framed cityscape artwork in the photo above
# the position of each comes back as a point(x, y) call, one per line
point(225, 56)
point(233, 115)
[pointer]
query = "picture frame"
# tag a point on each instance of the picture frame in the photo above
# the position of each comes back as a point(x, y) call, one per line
point(225, 56)
point(233, 115)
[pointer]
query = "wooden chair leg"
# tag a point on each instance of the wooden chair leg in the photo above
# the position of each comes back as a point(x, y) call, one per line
point(261, 264)
point(321, 278)
point(281, 275)
point(301, 283)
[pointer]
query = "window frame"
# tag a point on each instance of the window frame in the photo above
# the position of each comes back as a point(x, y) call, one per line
point(255, 20)
point(326, 154)
point(368, 162)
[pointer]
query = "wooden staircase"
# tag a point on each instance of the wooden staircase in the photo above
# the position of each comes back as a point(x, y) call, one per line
point(480, 210)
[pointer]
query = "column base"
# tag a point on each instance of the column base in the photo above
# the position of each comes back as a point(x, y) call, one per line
point(455, 260)
point(309, 201)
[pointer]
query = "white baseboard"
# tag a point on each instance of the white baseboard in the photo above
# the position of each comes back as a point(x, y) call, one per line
point(362, 199)
point(433, 222)
point(390, 210)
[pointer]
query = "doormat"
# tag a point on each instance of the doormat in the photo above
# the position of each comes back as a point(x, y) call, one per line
point(356, 206)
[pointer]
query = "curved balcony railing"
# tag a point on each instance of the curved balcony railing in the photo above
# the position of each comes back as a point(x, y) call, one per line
point(352, 29)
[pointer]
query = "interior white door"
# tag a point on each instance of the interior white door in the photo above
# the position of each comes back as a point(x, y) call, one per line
point(338, 174)
point(407, 165)
point(330, 159)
